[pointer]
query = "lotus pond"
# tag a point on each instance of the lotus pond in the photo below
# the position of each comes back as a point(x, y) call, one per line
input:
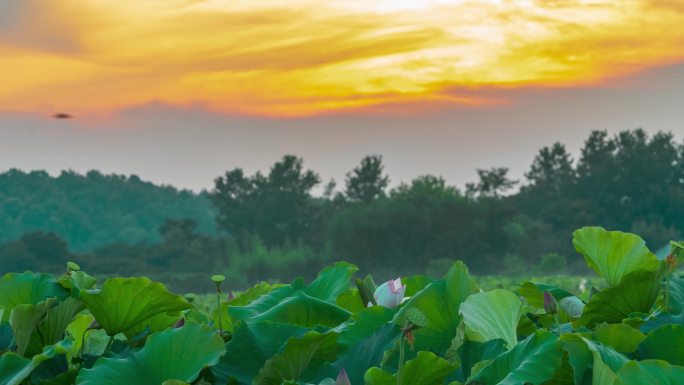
point(344, 329)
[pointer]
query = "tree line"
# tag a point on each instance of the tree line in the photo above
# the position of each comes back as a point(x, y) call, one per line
point(272, 226)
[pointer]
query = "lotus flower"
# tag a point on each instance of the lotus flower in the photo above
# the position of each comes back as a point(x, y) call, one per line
point(550, 305)
point(342, 378)
point(390, 294)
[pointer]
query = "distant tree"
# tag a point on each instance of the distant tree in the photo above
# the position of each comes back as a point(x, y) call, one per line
point(493, 183)
point(276, 207)
point(367, 182)
point(551, 169)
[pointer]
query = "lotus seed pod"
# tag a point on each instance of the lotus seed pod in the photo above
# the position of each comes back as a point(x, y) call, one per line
point(73, 266)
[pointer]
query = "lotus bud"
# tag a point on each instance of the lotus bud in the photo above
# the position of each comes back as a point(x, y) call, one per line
point(550, 305)
point(94, 325)
point(390, 294)
point(231, 296)
point(179, 323)
point(342, 378)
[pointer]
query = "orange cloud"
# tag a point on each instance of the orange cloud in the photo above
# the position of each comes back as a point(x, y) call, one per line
point(308, 57)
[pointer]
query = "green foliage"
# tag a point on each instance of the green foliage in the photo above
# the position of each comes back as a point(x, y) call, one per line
point(90, 210)
point(174, 354)
point(134, 331)
point(124, 303)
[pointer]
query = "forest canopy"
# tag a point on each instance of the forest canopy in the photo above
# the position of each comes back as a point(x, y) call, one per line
point(271, 225)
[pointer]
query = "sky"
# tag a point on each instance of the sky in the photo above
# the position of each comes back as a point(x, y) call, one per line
point(179, 91)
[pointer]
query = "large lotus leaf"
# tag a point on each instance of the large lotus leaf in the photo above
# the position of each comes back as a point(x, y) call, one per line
point(664, 343)
point(299, 359)
point(650, 372)
point(533, 360)
point(304, 310)
point(416, 283)
point(331, 282)
point(27, 288)
point(584, 354)
point(613, 254)
point(243, 299)
point(676, 300)
point(623, 338)
point(174, 354)
point(661, 319)
point(367, 338)
point(77, 329)
point(425, 369)
point(123, 303)
point(24, 320)
point(439, 302)
point(57, 319)
point(14, 368)
point(264, 302)
point(492, 315)
point(635, 294)
point(155, 323)
point(473, 352)
point(350, 301)
point(253, 343)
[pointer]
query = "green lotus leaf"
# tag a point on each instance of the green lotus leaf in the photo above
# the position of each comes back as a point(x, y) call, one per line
point(439, 302)
point(654, 322)
point(304, 310)
point(27, 289)
point(175, 382)
point(77, 329)
point(664, 343)
point(613, 254)
point(77, 281)
point(623, 338)
point(364, 341)
point(350, 301)
point(472, 352)
point(649, 372)
point(584, 354)
point(572, 306)
point(331, 282)
point(156, 323)
point(124, 303)
point(14, 369)
point(425, 369)
point(24, 320)
point(174, 354)
point(533, 360)
point(492, 315)
point(299, 359)
point(57, 319)
point(264, 302)
point(676, 300)
point(533, 292)
point(253, 343)
point(635, 294)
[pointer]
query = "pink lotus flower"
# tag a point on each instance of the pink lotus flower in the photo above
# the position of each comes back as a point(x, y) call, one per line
point(342, 378)
point(390, 294)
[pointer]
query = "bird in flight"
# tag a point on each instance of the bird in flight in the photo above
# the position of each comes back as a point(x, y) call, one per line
point(62, 115)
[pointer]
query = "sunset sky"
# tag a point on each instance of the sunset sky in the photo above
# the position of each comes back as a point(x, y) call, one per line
point(178, 91)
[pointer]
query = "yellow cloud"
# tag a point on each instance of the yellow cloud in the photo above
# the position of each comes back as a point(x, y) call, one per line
point(305, 57)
